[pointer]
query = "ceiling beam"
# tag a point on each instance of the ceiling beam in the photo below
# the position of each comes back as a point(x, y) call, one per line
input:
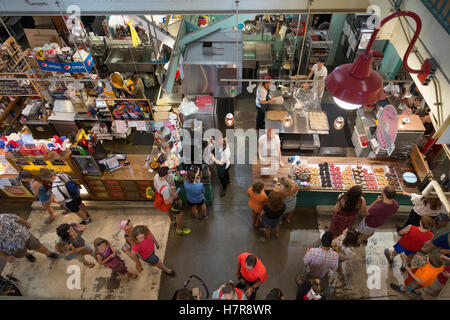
point(138, 7)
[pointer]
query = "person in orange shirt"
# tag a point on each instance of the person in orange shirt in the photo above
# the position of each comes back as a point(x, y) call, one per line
point(251, 274)
point(421, 277)
point(258, 199)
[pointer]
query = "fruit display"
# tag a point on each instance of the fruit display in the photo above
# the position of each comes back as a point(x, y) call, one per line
point(364, 178)
point(315, 181)
point(336, 176)
point(347, 178)
point(302, 172)
point(325, 175)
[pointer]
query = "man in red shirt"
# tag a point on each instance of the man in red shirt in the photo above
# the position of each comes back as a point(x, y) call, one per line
point(377, 213)
point(412, 240)
point(251, 273)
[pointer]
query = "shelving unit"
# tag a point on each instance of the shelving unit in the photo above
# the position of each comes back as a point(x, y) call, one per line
point(318, 45)
point(7, 120)
point(17, 61)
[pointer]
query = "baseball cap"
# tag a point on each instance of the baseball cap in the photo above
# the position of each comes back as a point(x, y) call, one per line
point(267, 78)
point(24, 174)
point(45, 173)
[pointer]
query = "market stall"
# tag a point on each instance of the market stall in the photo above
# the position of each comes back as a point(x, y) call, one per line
point(322, 179)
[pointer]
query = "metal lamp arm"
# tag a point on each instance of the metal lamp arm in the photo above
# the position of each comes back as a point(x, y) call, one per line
point(413, 40)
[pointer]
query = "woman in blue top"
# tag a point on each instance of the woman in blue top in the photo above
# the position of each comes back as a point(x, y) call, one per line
point(41, 190)
point(195, 194)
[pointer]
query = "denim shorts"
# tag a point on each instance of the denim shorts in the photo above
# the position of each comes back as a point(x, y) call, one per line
point(152, 259)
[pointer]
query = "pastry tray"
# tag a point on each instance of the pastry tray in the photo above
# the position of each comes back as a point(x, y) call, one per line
point(314, 126)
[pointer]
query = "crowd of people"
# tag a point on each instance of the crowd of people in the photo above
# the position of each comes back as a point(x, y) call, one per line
point(268, 211)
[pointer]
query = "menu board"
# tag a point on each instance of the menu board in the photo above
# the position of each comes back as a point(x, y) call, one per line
point(22, 87)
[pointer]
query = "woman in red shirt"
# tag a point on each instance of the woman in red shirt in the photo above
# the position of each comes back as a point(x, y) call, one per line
point(143, 247)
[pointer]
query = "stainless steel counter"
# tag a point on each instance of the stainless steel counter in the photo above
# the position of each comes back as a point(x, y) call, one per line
point(299, 121)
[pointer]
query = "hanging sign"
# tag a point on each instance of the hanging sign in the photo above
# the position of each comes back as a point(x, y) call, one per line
point(70, 67)
point(387, 128)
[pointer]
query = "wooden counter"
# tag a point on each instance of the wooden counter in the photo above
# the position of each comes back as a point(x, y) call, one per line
point(321, 197)
point(136, 170)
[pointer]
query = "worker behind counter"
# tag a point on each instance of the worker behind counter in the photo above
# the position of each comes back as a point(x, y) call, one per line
point(320, 73)
point(138, 91)
point(269, 147)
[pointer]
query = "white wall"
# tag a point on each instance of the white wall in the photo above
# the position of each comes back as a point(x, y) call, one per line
point(435, 38)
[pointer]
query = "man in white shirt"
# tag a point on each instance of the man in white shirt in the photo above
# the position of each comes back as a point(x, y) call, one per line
point(269, 147)
point(63, 197)
point(165, 186)
point(320, 73)
point(223, 164)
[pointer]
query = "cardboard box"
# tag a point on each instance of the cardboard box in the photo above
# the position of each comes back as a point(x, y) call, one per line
point(39, 37)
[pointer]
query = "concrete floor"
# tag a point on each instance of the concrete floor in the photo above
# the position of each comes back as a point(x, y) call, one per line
point(47, 278)
point(211, 251)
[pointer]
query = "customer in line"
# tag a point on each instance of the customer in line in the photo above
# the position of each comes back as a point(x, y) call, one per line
point(271, 214)
point(319, 261)
point(16, 239)
point(346, 210)
point(310, 290)
point(345, 243)
point(412, 240)
point(422, 206)
point(378, 212)
point(195, 194)
point(251, 273)
point(289, 190)
point(166, 199)
point(143, 248)
point(257, 200)
point(442, 242)
point(222, 159)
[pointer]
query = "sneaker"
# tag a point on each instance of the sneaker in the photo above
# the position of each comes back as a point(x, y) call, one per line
point(53, 255)
point(402, 269)
point(173, 222)
point(185, 231)
point(397, 288)
point(86, 222)
point(30, 257)
point(387, 254)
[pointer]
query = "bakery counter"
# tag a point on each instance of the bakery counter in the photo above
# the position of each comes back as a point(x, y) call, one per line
point(316, 195)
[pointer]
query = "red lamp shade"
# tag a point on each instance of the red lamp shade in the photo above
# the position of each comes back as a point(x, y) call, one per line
point(356, 83)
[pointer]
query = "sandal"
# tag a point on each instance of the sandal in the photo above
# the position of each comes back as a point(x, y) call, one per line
point(198, 220)
point(50, 220)
point(184, 231)
point(171, 273)
point(89, 264)
point(132, 275)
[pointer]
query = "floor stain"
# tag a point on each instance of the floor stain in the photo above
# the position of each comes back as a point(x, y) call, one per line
point(112, 283)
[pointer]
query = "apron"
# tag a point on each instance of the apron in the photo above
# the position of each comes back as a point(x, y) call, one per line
point(258, 99)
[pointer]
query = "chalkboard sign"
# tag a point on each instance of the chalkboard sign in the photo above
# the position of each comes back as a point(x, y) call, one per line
point(39, 162)
point(22, 87)
point(58, 163)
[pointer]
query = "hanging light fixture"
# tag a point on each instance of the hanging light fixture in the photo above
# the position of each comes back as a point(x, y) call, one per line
point(355, 84)
point(229, 119)
point(339, 123)
point(250, 87)
point(287, 122)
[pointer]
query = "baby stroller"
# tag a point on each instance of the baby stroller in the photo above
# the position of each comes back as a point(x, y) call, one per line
point(195, 290)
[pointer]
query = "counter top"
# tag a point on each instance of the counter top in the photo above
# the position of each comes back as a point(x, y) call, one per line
point(136, 170)
point(400, 166)
point(299, 121)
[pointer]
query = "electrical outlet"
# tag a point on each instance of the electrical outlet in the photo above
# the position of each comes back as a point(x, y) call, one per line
point(430, 66)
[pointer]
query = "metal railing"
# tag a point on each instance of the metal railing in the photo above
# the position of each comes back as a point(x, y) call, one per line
point(441, 11)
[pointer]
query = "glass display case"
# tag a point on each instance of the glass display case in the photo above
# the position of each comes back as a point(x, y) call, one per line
point(87, 165)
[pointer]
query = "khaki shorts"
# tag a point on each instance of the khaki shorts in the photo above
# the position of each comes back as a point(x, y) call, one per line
point(31, 244)
point(364, 229)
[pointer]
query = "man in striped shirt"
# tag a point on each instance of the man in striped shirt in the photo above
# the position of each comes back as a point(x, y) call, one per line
point(319, 261)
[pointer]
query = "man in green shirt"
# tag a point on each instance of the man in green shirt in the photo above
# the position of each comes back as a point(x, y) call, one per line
point(138, 91)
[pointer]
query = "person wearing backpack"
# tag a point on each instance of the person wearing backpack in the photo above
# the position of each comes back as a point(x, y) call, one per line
point(67, 193)
point(166, 200)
